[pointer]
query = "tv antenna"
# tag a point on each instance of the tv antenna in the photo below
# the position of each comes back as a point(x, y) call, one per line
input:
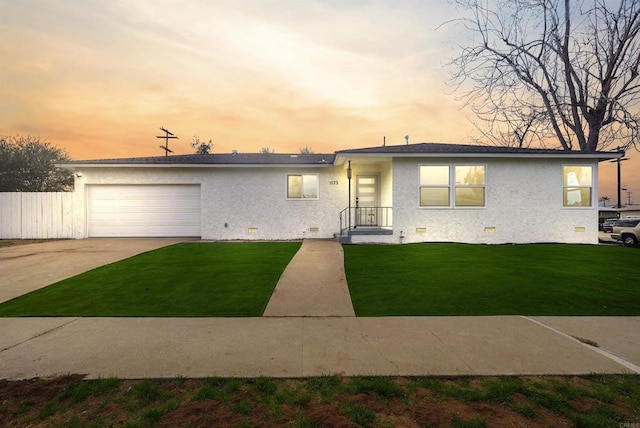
point(166, 137)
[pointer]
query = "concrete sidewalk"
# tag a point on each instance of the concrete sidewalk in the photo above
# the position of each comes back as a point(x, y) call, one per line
point(300, 346)
point(313, 284)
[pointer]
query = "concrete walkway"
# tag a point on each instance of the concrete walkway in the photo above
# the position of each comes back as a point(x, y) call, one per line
point(297, 346)
point(313, 284)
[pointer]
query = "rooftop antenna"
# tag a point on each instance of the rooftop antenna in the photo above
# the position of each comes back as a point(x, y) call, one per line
point(166, 137)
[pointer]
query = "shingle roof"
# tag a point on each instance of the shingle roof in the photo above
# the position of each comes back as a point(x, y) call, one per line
point(274, 159)
point(434, 150)
point(423, 148)
point(217, 159)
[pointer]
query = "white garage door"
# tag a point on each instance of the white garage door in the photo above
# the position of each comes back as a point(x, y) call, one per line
point(144, 211)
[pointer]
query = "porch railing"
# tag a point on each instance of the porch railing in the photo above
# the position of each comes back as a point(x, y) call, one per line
point(366, 217)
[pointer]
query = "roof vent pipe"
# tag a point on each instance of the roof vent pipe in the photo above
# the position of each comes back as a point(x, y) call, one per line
point(406, 139)
point(234, 152)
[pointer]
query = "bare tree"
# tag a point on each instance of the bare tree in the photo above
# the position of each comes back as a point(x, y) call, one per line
point(511, 126)
point(267, 150)
point(564, 73)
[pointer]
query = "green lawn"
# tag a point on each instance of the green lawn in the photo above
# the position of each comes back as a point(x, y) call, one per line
point(237, 279)
point(183, 280)
point(459, 279)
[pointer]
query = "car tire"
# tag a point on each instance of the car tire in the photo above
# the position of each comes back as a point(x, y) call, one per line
point(629, 240)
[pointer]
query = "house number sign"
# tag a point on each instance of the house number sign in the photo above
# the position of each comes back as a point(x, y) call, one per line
point(333, 183)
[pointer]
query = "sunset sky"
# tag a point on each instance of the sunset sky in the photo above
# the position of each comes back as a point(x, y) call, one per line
point(98, 78)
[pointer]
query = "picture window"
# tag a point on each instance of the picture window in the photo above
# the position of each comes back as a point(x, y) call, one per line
point(302, 186)
point(468, 188)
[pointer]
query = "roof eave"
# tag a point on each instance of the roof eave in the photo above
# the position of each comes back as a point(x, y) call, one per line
point(201, 165)
point(600, 156)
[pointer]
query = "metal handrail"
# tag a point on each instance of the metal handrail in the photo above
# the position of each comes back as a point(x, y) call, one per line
point(354, 217)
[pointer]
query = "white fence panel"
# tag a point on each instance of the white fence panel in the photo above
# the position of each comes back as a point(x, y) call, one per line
point(10, 215)
point(36, 215)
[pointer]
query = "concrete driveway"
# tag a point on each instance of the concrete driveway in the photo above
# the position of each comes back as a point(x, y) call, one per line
point(24, 268)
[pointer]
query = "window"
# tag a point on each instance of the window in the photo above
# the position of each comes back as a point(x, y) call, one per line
point(469, 186)
point(468, 189)
point(302, 186)
point(624, 222)
point(435, 187)
point(578, 181)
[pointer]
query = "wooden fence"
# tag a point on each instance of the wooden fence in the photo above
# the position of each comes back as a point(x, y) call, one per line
point(36, 215)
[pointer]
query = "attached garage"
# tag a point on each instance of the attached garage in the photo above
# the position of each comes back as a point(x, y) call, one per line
point(143, 211)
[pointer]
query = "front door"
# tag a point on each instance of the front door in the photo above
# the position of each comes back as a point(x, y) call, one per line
point(367, 200)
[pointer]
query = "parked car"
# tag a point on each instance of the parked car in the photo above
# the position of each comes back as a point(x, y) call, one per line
point(608, 224)
point(627, 230)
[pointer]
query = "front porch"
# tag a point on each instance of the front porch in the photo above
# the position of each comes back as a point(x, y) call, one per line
point(368, 216)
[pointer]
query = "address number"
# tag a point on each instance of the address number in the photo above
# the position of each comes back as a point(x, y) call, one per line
point(333, 183)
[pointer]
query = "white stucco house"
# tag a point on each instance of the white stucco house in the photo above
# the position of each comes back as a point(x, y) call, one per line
point(425, 192)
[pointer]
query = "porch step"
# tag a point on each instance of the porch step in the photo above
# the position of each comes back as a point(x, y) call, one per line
point(343, 239)
point(365, 231)
point(346, 239)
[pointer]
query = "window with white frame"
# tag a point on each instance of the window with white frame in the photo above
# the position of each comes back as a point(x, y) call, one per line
point(435, 186)
point(577, 186)
point(470, 185)
point(302, 186)
point(468, 188)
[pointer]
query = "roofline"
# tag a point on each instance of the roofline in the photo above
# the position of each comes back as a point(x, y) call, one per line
point(341, 156)
point(600, 156)
point(200, 165)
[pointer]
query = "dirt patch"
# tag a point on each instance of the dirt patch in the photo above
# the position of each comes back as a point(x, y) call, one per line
point(322, 402)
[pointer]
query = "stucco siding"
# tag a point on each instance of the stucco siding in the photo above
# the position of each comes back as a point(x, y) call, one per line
point(523, 204)
point(242, 205)
point(237, 203)
point(524, 201)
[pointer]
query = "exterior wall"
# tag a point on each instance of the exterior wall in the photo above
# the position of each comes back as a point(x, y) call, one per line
point(237, 202)
point(375, 239)
point(386, 184)
point(524, 204)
